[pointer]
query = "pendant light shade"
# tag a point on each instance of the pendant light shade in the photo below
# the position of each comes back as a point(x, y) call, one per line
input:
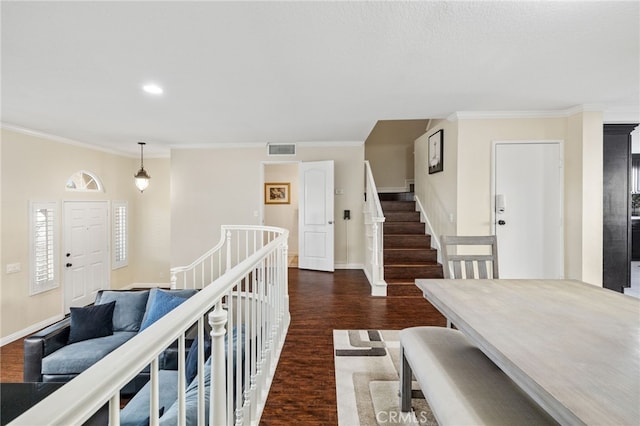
point(142, 177)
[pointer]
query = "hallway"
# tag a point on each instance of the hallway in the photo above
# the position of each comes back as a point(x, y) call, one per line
point(303, 389)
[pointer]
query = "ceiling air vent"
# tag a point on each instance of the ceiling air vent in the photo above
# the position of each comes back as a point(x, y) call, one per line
point(282, 149)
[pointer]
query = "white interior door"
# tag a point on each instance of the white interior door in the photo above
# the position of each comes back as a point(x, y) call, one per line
point(528, 200)
point(86, 252)
point(315, 236)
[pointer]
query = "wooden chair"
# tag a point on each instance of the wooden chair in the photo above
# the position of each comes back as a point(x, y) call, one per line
point(470, 266)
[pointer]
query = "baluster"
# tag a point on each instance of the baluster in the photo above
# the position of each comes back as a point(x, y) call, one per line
point(114, 409)
point(218, 388)
point(228, 250)
point(174, 280)
point(155, 395)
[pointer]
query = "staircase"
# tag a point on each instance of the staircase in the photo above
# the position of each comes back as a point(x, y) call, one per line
point(407, 250)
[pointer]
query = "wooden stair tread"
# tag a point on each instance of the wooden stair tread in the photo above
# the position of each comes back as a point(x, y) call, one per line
point(407, 248)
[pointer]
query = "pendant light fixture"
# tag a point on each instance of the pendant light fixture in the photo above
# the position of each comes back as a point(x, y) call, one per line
point(142, 177)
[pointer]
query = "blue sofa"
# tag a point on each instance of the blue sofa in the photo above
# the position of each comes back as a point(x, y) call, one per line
point(65, 349)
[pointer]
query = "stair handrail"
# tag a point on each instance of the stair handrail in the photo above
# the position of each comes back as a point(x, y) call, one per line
point(374, 223)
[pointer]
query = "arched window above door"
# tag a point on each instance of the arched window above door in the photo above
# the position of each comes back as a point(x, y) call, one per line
point(84, 181)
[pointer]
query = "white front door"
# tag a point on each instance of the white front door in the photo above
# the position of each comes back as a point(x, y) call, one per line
point(86, 252)
point(528, 201)
point(315, 216)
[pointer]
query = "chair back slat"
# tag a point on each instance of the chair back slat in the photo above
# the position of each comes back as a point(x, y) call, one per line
point(468, 268)
point(457, 270)
point(482, 270)
point(476, 266)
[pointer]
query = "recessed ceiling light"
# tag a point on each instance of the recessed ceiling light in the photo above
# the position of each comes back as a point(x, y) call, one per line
point(154, 89)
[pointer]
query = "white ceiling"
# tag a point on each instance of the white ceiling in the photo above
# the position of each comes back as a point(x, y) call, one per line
point(257, 72)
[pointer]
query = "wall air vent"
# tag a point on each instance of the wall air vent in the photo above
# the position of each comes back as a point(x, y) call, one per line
point(282, 149)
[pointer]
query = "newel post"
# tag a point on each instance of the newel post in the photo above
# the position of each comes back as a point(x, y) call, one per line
point(218, 388)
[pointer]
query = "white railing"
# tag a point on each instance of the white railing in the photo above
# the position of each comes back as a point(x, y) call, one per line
point(250, 296)
point(435, 215)
point(373, 222)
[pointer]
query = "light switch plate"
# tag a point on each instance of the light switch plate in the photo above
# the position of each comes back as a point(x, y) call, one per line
point(13, 268)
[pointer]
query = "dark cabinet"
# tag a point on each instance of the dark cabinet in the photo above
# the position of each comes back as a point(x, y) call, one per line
point(635, 240)
point(617, 229)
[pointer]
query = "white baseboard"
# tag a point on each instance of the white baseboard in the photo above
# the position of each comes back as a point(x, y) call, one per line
point(348, 266)
point(29, 330)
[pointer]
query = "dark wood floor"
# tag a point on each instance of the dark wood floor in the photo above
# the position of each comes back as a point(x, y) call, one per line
point(303, 390)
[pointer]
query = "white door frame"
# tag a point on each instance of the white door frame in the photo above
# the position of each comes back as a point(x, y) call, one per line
point(63, 246)
point(560, 143)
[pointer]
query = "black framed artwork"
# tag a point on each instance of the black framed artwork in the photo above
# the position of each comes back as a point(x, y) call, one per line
point(435, 152)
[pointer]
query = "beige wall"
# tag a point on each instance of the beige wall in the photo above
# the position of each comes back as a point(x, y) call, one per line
point(475, 139)
point(391, 165)
point(151, 219)
point(284, 215)
point(36, 168)
point(213, 187)
point(583, 197)
point(438, 192)
point(467, 179)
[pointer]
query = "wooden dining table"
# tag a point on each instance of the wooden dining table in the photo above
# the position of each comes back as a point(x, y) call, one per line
point(574, 348)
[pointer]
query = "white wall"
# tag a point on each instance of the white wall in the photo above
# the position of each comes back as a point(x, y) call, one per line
point(213, 187)
point(36, 168)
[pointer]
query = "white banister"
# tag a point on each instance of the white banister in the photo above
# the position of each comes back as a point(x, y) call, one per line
point(374, 226)
point(249, 298)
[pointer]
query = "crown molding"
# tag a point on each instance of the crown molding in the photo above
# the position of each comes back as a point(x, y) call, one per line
point(625, 114)
point(60, 139)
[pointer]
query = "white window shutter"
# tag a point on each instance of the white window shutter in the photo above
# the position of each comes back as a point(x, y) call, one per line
point(44, 246)
point(120, 234)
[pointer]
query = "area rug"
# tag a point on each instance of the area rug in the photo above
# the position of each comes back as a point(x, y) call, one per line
point(367, 364)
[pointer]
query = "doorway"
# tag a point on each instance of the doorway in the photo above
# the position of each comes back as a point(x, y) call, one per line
point(283, 215)
point(309, 213)
point(527, 193)
point(85, 252)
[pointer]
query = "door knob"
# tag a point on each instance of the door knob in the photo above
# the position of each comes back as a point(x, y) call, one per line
point(69, 265)
point(330, 222)
point(502, 222)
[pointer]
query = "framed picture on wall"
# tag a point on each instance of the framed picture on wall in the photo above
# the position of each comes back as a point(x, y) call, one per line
point(435, 152)
point(277, 193)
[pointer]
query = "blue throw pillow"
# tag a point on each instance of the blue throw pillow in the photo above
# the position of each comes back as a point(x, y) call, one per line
point(162, 304)
point(130, 308)
point(91, 322)
point(155, 291)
